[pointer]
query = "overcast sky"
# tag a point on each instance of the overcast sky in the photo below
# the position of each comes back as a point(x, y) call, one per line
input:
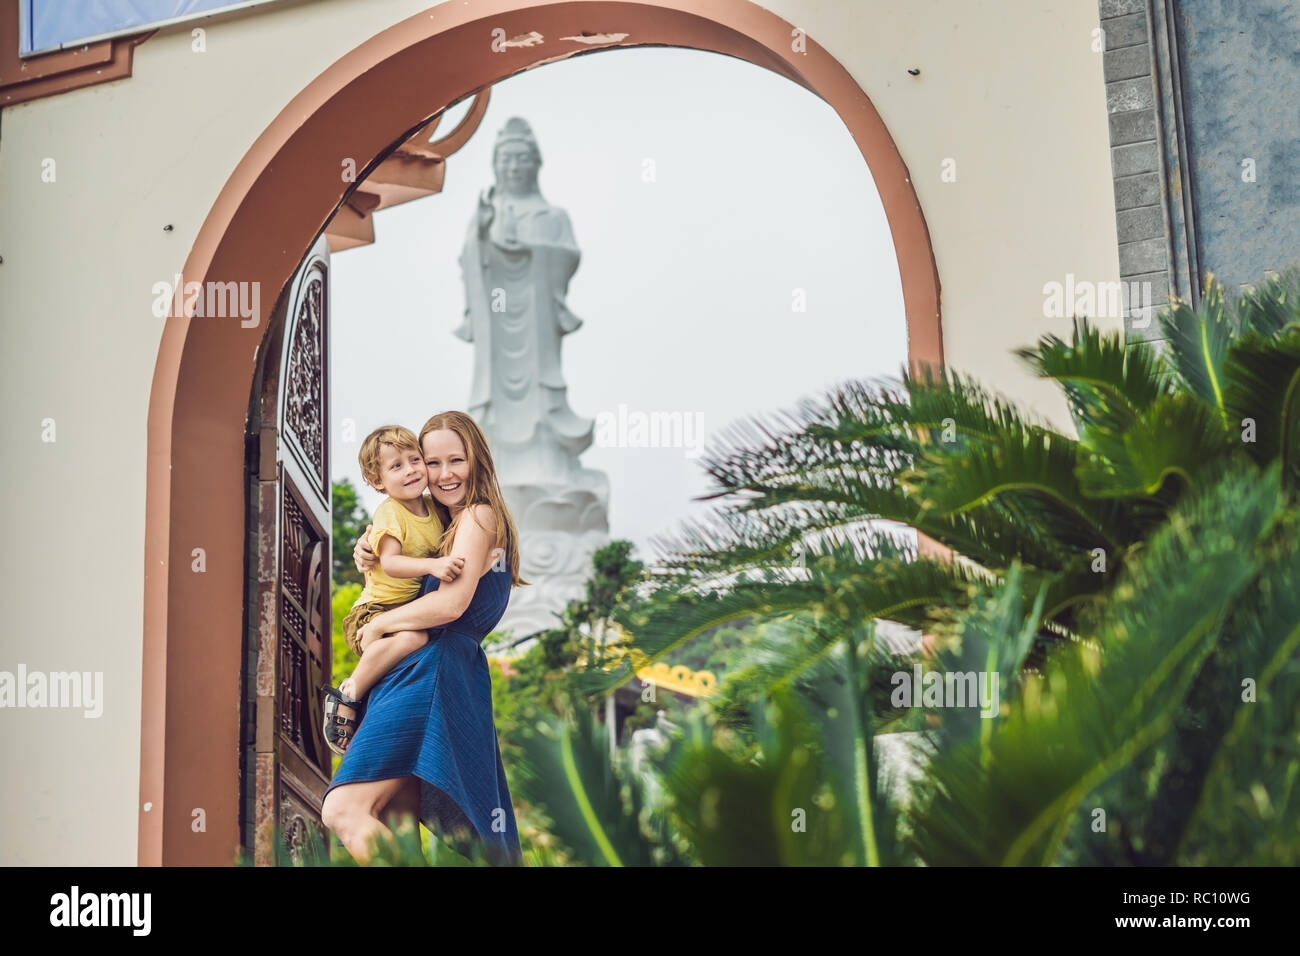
point(686, 283)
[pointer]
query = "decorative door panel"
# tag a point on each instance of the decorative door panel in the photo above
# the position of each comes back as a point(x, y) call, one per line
point(285, 763)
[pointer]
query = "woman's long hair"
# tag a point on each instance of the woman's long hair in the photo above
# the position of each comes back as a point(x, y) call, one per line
point(480, 488)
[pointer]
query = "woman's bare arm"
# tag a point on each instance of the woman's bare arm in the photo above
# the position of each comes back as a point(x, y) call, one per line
point(473, 543)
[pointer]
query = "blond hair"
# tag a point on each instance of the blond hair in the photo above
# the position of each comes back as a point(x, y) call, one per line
point(394, 435)
point(481, 486)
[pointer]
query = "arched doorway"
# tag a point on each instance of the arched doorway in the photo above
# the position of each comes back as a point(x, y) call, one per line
point(273, 208)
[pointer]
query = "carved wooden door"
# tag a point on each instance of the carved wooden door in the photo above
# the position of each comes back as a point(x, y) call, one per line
point(285, 763)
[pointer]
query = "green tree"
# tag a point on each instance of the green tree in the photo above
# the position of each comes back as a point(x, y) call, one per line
point(541, 681)
point(613, 574)
point(343, 660)
point(349, 520)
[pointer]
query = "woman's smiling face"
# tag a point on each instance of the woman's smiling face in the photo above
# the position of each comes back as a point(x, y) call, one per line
point(444, 454)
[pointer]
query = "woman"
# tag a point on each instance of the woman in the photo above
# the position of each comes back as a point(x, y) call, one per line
point(427, 743)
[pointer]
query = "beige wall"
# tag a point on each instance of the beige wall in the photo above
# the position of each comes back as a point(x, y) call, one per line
point(1022, 111)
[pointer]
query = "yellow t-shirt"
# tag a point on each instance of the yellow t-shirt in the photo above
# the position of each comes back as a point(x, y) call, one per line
point(419, 538)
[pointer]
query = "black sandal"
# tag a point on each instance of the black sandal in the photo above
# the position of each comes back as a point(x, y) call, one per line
point(339, 729)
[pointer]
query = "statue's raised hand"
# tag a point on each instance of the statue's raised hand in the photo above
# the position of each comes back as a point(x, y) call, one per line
point(485, 211)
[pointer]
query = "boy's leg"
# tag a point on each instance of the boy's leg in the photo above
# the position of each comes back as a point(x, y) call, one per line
point(350, 624)
point(380, 657)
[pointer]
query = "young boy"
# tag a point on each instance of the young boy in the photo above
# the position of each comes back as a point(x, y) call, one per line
point(405, 533)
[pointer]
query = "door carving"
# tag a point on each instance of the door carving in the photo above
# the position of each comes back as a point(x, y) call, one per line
point(285, 764)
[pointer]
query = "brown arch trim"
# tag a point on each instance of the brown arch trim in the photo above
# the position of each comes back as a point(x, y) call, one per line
point(275, 204)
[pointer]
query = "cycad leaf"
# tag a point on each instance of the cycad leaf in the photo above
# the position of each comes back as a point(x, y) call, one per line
point(1249, 809)
point(566, 771)
point(1272, 306)
point(767, 811)
point(1199, 342)
point(836, 464)
point(670, 620)
point(1263, 388)
point(849, 703)
point(1011, 799)
point(1083, 578)
point(852, 429)
point(1024, 463)
point(1262, 634)
point(802, 655)
point(1106, 381)
point(946, 407)
point(994, 636)
point(837, 587)
point(1178, 435)
point(778, 529)
point(767, 527)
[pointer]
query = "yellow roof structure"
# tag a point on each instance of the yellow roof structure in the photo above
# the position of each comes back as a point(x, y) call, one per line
point(674, 677)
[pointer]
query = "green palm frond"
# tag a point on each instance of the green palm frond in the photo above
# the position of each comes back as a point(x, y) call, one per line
point(861, 427)
point(1086, 577)
point(670, 620)
point(1202, 725)
point(915, 593)
point(794, 653)
point(1198, 340)
point(815, 793)
point(566, 771)
point(996, 533)
point(779, 531)
point(874, 425)
point(836, 464)
point(842, 675)
point(1263, 388)
point(849, 729)
point(1270, 307)
point(1105, 381)
point(838, 586)
point(1012, 797)
point(1032, 468)
point(864, 418)
point(1265, 632)
point(1174, 799)
point(1249, 809)
point(940, 400)
point(997, 634)
point(1176, 436)
point(776, 809)
point(773, 450)
point(767, 526)
point(803, 655)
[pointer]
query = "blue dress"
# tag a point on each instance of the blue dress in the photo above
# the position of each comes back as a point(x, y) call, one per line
point(431, 717)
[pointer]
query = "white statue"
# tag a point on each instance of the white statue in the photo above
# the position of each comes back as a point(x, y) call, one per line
point(518, 258)
point(523, 251)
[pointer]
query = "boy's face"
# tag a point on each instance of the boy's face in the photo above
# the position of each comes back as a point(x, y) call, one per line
point(402, 473)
